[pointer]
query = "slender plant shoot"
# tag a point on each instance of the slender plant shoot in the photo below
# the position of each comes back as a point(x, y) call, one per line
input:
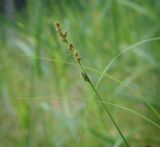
point(76, 55)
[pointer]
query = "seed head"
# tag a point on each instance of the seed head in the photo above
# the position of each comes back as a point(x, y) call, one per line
point(78, 58)
point(64, 40)
point(58, 27)
point(65, 34)
point(70, 46)
point(57, 24)
point(85, 76)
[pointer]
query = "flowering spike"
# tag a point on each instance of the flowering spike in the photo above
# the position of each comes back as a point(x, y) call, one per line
point(70, 46)
point(78, 58)
point(85, 76)
point(63, 36)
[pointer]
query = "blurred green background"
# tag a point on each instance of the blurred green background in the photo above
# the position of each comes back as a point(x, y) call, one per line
point(43, 99)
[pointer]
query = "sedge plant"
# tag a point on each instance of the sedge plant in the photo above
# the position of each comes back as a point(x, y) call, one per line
point(76, 55)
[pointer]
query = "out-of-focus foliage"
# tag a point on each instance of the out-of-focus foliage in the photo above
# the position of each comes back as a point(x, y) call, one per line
point(43, 99)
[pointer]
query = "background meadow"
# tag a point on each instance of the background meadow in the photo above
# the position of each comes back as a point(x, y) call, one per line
point(43, 99)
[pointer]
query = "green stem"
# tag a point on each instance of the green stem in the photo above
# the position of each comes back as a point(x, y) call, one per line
point(104, 106)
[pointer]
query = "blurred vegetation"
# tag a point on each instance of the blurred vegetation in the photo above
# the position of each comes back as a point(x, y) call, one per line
point(43, 99)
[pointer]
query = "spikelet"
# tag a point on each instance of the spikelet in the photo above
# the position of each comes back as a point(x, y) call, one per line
point(63, 36)
point(85, 77)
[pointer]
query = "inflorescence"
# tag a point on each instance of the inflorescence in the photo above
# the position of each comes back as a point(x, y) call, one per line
point(63, 35)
